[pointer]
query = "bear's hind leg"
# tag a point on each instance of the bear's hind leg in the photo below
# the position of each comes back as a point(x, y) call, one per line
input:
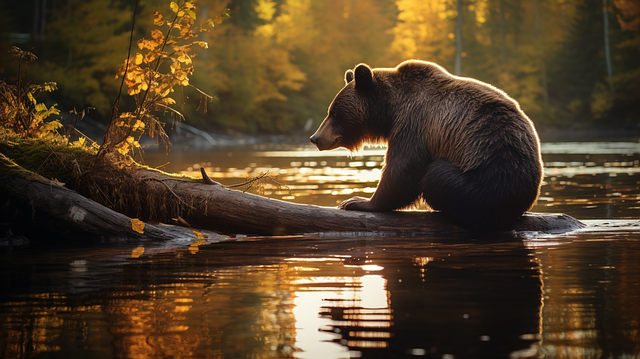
point(469, 200)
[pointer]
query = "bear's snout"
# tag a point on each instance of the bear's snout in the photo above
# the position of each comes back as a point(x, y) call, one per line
point(325, 137)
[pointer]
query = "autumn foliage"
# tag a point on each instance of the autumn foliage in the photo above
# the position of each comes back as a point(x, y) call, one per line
point(277, 63)
point(163, 62)
point(19, 109)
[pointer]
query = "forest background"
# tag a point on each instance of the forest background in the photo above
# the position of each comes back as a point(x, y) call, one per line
point(274, 64)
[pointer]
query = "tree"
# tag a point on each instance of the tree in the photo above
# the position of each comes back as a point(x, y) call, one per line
point(425, 30)
point(85, 42)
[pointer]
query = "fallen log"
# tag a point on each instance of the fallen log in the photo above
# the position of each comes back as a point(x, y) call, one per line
point(204, 204)
point(216, 207)
point(44, 205)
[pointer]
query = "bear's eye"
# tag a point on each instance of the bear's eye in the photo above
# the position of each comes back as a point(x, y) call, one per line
point(333, 114)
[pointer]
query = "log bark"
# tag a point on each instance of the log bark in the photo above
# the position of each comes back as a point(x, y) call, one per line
point(75, 215)
point(211, 206)
point(216, 207)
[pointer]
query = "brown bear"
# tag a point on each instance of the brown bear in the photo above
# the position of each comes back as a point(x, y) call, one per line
point(462, 145)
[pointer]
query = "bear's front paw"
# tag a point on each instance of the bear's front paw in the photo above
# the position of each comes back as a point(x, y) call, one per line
point(354, 204)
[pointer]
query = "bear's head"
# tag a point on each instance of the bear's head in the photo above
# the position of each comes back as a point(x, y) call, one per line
point(346, 124)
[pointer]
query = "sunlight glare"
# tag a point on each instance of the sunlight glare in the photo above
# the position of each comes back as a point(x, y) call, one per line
point(365, 300)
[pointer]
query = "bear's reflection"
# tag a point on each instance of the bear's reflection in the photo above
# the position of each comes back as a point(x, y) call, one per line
point(454, 301)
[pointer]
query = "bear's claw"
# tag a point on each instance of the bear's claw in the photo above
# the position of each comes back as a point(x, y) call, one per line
point(353, 203)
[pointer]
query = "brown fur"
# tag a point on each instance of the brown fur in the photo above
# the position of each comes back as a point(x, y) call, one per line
point(461, 144)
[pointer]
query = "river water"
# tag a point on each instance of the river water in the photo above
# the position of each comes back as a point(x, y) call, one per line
point(336, 295)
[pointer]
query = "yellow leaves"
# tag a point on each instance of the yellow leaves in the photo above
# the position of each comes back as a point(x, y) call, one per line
point(148, 81)
point(137, 225)
point(79, 143)
point(174, 67)
point(174, 7)
point(133, 143)
point(150, 57)
point(202, 44)
point(186, 9)
point(50, 86)
point(168, 101)
point(139, 125)
point(157, 35)
point(32, 99)
point(50, 126)
point(137, 252)
point(158, 19)
point(184, 58)
point(147, 44)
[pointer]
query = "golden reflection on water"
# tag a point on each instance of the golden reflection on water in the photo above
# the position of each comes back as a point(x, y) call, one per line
point(336, 305)
point(339, 306)
point(590, 298)
point(362, 299)
point(598, 180)
point(264, 311)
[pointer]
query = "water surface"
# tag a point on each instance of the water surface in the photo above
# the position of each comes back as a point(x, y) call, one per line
point(341, 296)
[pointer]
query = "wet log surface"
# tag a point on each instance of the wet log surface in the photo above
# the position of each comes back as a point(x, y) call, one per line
point(211, 206)
point(39, 203)
point(231, 211)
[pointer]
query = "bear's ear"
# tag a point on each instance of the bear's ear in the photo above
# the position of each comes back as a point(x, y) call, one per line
point(348, 76)
point(364, 77)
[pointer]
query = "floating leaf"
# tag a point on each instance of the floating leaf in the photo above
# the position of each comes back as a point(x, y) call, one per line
point(198, 234)
point(137, 252)
point(136, 224)
point(195, 247)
